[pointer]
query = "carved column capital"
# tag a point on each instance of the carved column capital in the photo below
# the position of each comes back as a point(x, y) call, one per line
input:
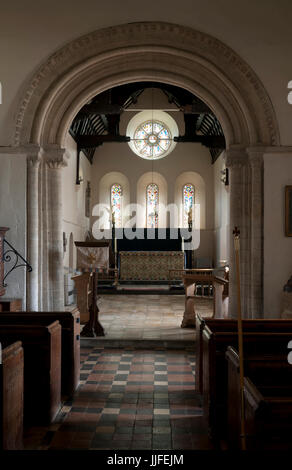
point(33, 155)
point(54, 156)
point(235, 158)
point(255, 157)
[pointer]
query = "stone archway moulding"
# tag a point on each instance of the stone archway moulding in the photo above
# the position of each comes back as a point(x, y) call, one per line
point(150, 52)
point(146, 51)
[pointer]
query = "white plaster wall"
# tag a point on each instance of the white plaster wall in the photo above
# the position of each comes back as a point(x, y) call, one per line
point(186, 157)
point(221, 214)
point(13, 215)
point(277, 247)
point(73, 198)
point(259, 31)
point(185, 160)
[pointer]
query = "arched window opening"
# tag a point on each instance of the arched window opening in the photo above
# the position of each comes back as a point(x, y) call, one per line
point(152, 202)
point(188, 203)
point(116, 204)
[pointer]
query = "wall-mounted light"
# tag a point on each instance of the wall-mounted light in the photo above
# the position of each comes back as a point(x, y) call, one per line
point(65, 241)
point(79, 178)
point(225, 176)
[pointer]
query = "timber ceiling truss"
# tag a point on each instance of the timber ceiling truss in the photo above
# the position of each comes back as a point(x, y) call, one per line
point(98, 121)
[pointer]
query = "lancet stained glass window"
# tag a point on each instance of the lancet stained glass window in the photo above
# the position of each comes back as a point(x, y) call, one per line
point(152, 202)
point(116, 204)
point(188, 202)
point(152, 139)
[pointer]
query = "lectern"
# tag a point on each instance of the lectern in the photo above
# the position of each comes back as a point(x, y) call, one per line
point(92, 257)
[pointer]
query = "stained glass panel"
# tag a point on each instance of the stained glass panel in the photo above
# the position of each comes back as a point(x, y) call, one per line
point(152, 139)
point(116, 204)
point(188, 202)
point(152, 202)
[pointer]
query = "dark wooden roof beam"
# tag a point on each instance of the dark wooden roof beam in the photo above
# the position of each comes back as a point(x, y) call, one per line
point(113, 124)
point(195, 108)
point(90, 141)
point(190, 123)
point(214, 141)
point(99, 108)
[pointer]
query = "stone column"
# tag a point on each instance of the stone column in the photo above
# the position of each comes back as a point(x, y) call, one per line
point(53, 157)
point(256, 233)
point(236, 161)
point(32, 284)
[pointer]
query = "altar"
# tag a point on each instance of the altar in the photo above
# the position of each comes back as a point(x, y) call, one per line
point(149, 265)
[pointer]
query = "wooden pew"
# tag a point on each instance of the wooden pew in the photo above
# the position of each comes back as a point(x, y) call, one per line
point(11, 397)
point(42, 369)
point(230, 325)
point(270, 371)
point(10, 305)
point(215, 373)
point(268, 416)
point(70, 323)
point(214, 323)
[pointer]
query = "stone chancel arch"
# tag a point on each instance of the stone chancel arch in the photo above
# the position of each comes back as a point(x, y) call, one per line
point(146, 51)
point(156, 52)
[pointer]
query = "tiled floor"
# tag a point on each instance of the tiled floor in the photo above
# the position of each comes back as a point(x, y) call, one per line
point(129, 399)
point(148, 316)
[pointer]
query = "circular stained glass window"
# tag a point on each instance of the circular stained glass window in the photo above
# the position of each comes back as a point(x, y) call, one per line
point(152, 139)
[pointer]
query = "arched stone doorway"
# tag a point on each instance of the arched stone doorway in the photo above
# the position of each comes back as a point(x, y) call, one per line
point(150, 52)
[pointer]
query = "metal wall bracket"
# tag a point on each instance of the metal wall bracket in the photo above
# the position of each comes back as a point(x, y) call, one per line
point(11, 255)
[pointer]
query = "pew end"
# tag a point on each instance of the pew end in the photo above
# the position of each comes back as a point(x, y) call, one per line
point(11, 397)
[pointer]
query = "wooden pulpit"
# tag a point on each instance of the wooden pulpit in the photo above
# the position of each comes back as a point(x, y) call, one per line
point(92, 258)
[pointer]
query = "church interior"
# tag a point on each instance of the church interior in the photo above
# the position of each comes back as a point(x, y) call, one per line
point(145, 226)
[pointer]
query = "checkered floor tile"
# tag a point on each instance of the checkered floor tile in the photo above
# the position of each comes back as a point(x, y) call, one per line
point(131, 399)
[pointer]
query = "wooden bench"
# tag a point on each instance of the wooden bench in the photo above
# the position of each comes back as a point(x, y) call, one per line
point(10, 305)
point(11, 397)
point(268, 416)
point(230, 325)
point(215, 373)
point(267, 370)
point(42, 369)
point(70, 323)
point(215, 324)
